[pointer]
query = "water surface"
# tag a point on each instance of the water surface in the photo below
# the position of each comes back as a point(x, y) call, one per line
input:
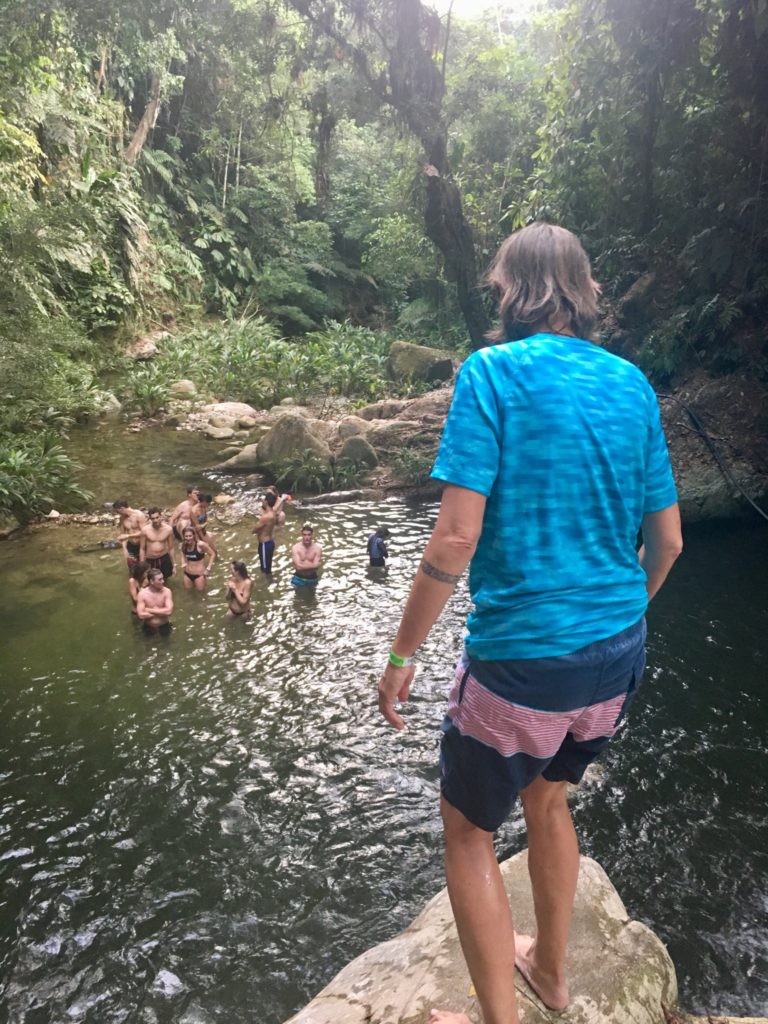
point(207, 827)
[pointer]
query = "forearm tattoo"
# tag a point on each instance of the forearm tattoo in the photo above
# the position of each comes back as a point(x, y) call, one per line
point(437, 574)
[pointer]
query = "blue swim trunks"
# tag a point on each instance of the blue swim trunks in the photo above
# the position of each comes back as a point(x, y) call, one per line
point(303, 581)
point(510, 721)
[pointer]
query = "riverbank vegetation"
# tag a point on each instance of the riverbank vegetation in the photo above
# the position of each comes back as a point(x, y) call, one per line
point(290, 167)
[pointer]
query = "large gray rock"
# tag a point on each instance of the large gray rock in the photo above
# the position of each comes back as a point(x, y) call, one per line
point(232, 410)
point(434, 404)
point(183, 389)
point(245, 461)
point(282, 408)
point(145, 348)
point(352, 426)
point(619, 972)
point(223, 421)
point(723, 415)
point(291, 438)
point(418, 362)
point(388, 409)
point(392, 436)
point(357, 450)
point(108, 405)
point(219, 433)
point(704, 493)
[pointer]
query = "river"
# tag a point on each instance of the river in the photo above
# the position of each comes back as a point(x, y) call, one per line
point(206, 827)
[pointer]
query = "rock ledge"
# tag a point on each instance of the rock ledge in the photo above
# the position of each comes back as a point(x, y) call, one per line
point(619, 971)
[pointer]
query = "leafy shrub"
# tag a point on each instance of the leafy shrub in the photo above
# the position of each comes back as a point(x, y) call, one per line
point(663, 352)
point(45, 375)
point(348, 473)
point(413, 467)
point(148, 391)
point(36, 475)
point(306, 472)
point(246, 360)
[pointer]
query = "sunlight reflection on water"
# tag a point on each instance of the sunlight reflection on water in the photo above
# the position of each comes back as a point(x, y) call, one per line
point(224, 807)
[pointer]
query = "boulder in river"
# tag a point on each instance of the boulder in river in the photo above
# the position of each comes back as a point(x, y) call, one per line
point(291, 438)
point(418, 362)
point(219, 433)
point(245, 461)
point(108, 405)
point(618, 969)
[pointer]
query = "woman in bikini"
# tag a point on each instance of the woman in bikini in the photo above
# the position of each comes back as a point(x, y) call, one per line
point(196, 559)
point(239, 589)
point(137, 581)
point(199, 522)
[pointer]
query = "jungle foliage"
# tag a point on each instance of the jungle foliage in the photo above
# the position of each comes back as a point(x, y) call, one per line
point(283, 165)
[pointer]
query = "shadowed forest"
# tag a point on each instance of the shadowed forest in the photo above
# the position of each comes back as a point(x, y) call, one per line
point(293, 185)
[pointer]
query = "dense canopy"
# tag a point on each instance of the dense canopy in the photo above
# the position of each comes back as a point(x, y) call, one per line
point(311, 162)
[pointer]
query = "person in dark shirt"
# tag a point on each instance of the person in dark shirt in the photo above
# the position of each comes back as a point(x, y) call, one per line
point(377, 549)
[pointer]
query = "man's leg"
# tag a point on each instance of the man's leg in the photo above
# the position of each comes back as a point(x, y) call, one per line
point(553, 864)
point(483, 918)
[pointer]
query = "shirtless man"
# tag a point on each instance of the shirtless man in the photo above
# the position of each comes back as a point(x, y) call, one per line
point(279, 503)
point(131, 522)
point(182, 514)
point(157, 544)
point(306, 555)
point(154, 604)
point(264, 530)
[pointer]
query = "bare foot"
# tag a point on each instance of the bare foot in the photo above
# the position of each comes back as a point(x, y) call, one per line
point(444, 1017)
point(553, 993)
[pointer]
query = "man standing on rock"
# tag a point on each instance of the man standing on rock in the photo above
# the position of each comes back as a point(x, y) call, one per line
point(553, 458)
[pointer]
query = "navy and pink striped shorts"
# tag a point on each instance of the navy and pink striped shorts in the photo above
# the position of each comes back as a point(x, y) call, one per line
point(510, 721)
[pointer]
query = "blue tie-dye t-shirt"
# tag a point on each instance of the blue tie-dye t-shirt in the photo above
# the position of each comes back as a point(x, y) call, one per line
point(565, 441)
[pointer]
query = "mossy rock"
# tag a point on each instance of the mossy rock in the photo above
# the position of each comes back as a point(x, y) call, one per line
point(419, 363)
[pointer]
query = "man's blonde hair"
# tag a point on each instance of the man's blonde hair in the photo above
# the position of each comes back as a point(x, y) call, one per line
point(542, 274)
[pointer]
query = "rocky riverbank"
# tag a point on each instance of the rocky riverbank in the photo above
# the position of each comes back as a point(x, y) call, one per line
point(717, 430)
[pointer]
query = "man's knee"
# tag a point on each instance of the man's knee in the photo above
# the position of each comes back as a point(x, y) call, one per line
point(458, 829)
point(542, 799)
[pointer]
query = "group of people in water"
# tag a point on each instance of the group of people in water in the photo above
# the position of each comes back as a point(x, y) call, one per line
point(153, 546)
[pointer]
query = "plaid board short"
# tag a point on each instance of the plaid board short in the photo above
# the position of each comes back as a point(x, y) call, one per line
point(510, 721)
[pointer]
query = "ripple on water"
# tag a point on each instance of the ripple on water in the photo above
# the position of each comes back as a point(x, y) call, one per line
point(193, 824)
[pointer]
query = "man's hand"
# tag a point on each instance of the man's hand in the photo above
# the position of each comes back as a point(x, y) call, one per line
point(394, 685)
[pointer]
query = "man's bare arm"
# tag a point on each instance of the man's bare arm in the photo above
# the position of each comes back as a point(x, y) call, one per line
point(662, 544)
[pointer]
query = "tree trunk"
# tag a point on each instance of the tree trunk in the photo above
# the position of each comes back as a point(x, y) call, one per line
point(148, 120)
point(414, 86)
point(647, 157)
point(446, 226)
point(101, 74)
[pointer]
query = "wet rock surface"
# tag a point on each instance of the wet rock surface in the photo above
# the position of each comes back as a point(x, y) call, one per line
point(618, 969)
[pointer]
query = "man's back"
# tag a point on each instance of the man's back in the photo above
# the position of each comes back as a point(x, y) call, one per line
point(568, 448)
